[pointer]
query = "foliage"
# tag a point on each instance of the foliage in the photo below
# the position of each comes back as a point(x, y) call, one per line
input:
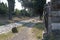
point(21, 12)
point(26, 3)
point(17, 12)
point(3, 9)
point(14, 30)
point(35, 5)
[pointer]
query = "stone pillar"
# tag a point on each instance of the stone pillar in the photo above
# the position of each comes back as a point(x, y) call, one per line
point(53, 11)
point(55, 18)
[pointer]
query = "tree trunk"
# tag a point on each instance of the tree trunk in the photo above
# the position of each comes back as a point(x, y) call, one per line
point(11, 4)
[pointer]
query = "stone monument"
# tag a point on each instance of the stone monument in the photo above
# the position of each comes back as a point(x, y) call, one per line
point(53, 19)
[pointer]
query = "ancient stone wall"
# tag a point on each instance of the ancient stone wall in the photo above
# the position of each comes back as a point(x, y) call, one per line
point(55, 5)
point(53, 11)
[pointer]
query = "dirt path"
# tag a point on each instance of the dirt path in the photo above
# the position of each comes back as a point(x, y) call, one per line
point(26, 33)
point(6, 28)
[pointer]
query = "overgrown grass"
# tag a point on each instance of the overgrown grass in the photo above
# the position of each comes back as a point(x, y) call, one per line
point(6, 36)
point(9, 35)
point(37, 30)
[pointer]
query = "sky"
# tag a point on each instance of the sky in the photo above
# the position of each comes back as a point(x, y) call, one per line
point(17, 4)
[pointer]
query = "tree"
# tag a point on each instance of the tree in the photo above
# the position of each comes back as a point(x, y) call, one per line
point(23, 13)
point(26, 3)
point(3, 9)
point(36, 5)
point(17, 12)
point(11, 4)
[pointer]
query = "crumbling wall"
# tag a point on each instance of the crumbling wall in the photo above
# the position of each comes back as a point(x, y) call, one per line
point(55, 5)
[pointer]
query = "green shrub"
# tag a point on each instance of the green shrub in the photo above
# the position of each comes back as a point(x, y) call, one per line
point(14, 30)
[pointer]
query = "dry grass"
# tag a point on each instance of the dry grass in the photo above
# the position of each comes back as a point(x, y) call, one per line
point(6, 36)
point(37, 30)
point(9, 35)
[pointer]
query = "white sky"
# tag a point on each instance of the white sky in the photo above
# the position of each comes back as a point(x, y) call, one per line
point(48, 1)
point(17, 4)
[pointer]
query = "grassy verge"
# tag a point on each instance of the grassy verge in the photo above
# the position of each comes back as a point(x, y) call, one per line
point(9, 35)
point(37, 30)
point(6, 36)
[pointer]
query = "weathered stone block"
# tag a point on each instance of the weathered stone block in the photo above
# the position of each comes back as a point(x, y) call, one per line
point(55, 5)
point(54, 13)
point(55, 26)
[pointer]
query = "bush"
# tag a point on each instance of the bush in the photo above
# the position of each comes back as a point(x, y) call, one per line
point(14, 30)
point(3, 9)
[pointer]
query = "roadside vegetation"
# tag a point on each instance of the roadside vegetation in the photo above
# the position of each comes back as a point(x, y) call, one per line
point(37, 30)
point(6, 36)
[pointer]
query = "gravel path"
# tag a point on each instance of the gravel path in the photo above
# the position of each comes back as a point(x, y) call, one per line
point(6, 28)
point(26, 33)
